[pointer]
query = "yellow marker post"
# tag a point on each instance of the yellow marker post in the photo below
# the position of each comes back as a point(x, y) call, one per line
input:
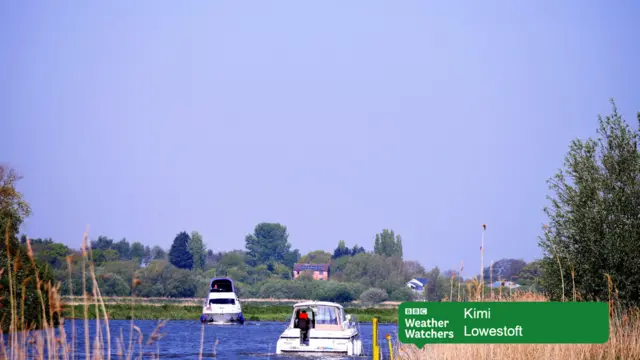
point(376, 348)
point(390, 346)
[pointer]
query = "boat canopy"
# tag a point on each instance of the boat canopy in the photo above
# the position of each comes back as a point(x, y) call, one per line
point(221, 285)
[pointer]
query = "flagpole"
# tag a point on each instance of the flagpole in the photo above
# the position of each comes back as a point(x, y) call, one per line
point(484, 228)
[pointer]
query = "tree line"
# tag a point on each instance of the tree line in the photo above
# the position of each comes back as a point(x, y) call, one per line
point(263, 269)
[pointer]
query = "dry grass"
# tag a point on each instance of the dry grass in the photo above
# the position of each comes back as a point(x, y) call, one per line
point(51, 341)
point(624, 343)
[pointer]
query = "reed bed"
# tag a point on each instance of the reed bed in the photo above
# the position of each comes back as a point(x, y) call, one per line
point(51, 341)
point(623, 344)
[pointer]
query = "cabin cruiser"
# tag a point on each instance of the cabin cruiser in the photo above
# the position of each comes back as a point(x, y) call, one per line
point(331, 331)
point(222, 305)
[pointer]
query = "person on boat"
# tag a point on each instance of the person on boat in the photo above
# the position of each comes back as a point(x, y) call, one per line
point(303, 324)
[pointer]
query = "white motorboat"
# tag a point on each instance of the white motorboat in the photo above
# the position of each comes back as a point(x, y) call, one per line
point(331, 331)
point(222, 305)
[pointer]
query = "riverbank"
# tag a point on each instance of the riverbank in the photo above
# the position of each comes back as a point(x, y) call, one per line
point(252, 312)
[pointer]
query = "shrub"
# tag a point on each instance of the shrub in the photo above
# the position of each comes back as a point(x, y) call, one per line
point(373, 296)
point(402, 294)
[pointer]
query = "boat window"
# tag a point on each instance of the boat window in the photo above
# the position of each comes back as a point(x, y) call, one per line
point(222, 302)
point(327, 315)
point(221, 286)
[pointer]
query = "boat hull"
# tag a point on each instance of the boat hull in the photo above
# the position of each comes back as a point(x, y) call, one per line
point(222, 318)
point(338, 346)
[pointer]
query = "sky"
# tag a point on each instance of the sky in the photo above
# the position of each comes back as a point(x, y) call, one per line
point(337, 119)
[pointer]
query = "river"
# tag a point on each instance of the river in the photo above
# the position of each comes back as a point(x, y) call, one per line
point(181, 339)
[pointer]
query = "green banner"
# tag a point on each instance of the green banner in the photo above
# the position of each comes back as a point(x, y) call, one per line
point(422, 323)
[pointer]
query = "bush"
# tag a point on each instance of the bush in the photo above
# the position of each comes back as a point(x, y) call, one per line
point(373, 296)
point(286, 289)
point(402, 294)
point(334, 291)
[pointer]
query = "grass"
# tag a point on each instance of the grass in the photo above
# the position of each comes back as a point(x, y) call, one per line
point(51, 341)
point(251, 312)
point(624, 339)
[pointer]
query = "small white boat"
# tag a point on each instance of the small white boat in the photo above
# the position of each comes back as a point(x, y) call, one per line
point(331, 331)
point(222, 305)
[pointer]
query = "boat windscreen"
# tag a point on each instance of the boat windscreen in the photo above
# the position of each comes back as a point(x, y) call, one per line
point(327, 315)
point(222, 302)
point(221, 285)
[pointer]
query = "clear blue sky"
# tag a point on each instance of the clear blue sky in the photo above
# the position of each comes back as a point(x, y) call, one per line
point(336, 118)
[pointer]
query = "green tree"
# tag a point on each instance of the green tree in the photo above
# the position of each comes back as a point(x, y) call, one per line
point(504, 269)
point(530, 275)
point(103, 243)
point(356, 250)
point(137, 251)
point(594, 216)
point(341, 250)
point(179, 282)
point(158, 253)
point(388, 244)
point(114, 285)
point(13, 208)
point(316, 257)
point(436, 287)
point(268, 243)
point(179, 255)
point(290, 258)
point(15, 259)
point(148, 255)
point(53, 254)
point(103, 256)
point(198, 250)
point(123, 248)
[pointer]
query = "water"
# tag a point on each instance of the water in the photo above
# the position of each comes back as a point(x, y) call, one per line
point(181, 339)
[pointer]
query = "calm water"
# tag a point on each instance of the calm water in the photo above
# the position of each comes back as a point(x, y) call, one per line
point(253, 340)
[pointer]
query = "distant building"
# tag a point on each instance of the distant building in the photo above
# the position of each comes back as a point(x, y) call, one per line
point(319, 271)
point(508, 284)
point(417, 284)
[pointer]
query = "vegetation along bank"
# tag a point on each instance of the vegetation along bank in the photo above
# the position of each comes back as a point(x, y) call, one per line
point(191, 312)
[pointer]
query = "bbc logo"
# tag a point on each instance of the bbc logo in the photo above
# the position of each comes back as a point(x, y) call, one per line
point(415, 311)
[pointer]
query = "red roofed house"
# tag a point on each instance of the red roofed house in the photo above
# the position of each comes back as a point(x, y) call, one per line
point(320, 271)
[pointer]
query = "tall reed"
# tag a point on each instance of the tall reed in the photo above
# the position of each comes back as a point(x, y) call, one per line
point(51, 339)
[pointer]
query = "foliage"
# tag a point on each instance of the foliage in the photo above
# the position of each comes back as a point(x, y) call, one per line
point(373, 270)
point(179, 255)
point(388, 244)
point(373, 296)
point(269, 243)
point(162, 279)
point(137, 251)
point(158, 253)
point(530, 275)
point(343, 250)
point(594, 216)
point(20, 270)
point(402, 294)
point(316, 257)
point(198, 251)
point(504, 269)
point(437, 285)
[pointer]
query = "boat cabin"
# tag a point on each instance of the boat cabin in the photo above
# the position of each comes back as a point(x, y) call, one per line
point(322, 315)
point(221, 285)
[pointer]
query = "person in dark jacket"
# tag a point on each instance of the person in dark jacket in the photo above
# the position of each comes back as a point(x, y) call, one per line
point(303, 324)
